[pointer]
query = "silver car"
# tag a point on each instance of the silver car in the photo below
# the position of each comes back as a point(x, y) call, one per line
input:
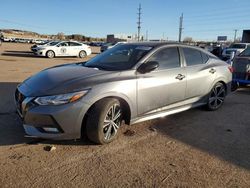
point(132, 82)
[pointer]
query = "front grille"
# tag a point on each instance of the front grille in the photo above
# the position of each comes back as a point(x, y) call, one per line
point(19, 97)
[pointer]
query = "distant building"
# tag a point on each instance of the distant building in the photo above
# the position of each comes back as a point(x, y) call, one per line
point(113, 38)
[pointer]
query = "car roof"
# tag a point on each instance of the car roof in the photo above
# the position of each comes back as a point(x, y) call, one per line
point(159, 44)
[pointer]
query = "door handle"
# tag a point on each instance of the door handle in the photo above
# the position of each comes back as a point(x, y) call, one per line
point(212, 70)
point(180, 77)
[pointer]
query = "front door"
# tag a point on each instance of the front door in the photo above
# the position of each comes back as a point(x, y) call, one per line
point(163, 86)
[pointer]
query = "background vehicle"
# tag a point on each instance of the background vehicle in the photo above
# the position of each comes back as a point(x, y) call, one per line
point(131, 82)
point(236, 47)
point(241, 68)
point(64, 48)
point(110, 45)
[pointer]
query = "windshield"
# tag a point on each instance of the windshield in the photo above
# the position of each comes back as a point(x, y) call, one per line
point(246, 52)
point(121, 57)
point(237, 46)
point(53, 43)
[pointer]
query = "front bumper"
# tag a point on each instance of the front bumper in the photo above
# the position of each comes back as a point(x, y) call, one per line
point(52, 122)
point(40, 53)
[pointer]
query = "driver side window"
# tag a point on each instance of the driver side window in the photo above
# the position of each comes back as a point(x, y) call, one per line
point(63, 44)
point(168, 58)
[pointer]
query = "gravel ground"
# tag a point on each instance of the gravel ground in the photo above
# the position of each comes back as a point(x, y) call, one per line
point(195, 148)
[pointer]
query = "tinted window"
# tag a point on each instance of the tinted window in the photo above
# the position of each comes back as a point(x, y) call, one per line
point(167, 58)
point(204, 57)
point(192, 56)
point(74, 44)
point(64, 44)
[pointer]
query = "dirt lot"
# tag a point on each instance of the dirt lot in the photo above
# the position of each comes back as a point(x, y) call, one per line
point(195, 148)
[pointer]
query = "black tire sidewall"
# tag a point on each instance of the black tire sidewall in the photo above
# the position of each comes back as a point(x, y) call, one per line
point(94, 126)
point(85, 54)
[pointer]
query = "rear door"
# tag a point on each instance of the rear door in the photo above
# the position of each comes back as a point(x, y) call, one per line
point(163, 86)
point(200, 73)
point(75, 48)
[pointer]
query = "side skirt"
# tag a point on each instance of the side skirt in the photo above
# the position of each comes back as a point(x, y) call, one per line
point(165, 113)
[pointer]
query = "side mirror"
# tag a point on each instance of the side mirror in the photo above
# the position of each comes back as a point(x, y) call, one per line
point(148, 67)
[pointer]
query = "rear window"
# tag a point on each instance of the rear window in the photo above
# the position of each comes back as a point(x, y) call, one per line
point(193, 57)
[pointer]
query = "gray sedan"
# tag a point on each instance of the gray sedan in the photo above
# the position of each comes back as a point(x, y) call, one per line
point(131, 82)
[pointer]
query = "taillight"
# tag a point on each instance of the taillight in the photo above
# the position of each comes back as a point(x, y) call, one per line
point(231, 69)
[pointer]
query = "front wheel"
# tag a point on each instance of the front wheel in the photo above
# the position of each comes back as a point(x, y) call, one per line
point(216, 97)
point(50, 54)
point(104, 120)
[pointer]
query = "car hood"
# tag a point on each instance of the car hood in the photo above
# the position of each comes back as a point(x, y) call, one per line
point(63, 79)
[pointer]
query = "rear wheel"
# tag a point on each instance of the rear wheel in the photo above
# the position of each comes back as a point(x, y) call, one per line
point(82, 54)
point(104, 120)
point(216, 97)
point(50, 54)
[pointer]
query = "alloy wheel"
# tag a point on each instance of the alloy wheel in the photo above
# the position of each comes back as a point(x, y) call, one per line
point(112, 122)
point(217, 96)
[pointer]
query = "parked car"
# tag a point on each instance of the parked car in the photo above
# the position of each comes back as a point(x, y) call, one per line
point(64, 48)
point(241, 68)
point(110, 45)
point(131, 82)
point(237, 48)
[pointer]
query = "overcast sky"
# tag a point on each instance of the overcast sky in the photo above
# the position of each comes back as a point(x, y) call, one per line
point(203, 19)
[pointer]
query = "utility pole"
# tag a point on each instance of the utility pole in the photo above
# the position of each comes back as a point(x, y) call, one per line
point(146, 35)
point(180, 27)
point(139, 22)
point(235, 34)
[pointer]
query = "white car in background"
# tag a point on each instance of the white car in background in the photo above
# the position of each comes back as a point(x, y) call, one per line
point(63, 48)
point(235, 48)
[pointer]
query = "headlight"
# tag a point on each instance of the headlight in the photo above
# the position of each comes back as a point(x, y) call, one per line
point(60, 99)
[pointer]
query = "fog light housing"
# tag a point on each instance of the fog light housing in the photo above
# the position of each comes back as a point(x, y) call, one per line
point(51, 129)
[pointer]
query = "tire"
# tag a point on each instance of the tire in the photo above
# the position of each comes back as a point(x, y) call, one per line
point(104, 120)
point(82, 54)
point(234, 86)
point(216, 97)
point(50, 54)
